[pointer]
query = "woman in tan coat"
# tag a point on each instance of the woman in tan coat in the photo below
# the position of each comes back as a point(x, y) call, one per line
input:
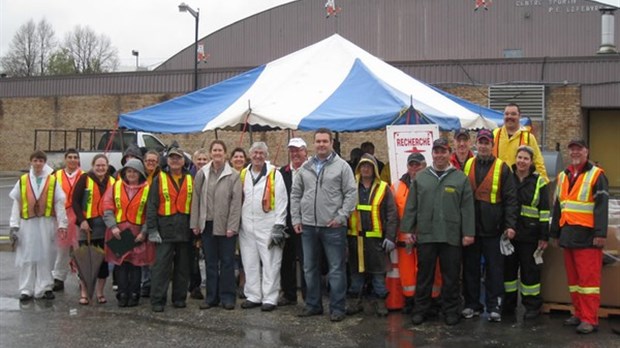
point(215, 215)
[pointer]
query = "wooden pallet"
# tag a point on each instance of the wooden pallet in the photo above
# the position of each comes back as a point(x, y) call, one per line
point(603, 312)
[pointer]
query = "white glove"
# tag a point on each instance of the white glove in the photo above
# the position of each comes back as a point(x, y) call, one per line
point(388, 245)
point(155, 237)
point(505, 247)
point(538, 256)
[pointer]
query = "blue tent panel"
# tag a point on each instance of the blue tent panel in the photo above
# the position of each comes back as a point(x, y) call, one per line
point(191, 112)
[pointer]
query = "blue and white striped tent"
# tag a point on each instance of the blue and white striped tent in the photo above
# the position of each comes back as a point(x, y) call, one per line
point(333, 84)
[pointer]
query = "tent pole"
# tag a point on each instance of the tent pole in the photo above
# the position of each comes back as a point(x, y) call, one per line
point(215, 130)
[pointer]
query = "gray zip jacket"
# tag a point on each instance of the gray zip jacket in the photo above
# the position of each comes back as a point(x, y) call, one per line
point(316, 199)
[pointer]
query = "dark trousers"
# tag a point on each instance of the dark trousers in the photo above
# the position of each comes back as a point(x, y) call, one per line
point(220, 263)
point(288, 270)
point(128, 278)
point(521, 265)
point(195, 278)
point(170, 257)
point(494, 274)
point(450, 265)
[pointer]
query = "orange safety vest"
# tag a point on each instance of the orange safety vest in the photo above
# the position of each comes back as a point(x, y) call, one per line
point(269, 195)
point(577, 205)
point(32, 207)
point(171, 200)
point(400, 191)
point(490, 185)
point(497, 132)
point(63, 180)
point(92, 198)
point(131, 210)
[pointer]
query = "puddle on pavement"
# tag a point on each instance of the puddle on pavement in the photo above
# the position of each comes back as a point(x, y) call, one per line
point(9, 304)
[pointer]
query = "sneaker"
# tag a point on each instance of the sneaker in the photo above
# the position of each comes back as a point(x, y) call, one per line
point(307, 312)
point(49, 295)
point(247, 304)
point(495, 317)
point(469, 313)
point(572, 321)
point(283, 301)
point(24, 298)
point(586, 328)
point(336, 317)
point(452, 319)
point(417, 319)
point(59, 285)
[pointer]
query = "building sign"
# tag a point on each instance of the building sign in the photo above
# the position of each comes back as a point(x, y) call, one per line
point(560, 6)
point(403, 140)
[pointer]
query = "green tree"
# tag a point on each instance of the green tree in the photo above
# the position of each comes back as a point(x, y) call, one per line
point(61, 63)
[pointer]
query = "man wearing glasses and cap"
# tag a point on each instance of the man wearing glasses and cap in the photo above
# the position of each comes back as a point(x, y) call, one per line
point(496, 207)
point(298, 153)
point(580, 221)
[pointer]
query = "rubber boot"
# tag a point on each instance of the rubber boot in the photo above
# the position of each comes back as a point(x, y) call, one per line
point(380, 308)
point(408, 308)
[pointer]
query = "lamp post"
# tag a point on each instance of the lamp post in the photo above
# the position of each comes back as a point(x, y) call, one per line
point(183, 7)
point(136, 54)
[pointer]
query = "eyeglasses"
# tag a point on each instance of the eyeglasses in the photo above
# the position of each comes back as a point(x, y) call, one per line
point(151, 161)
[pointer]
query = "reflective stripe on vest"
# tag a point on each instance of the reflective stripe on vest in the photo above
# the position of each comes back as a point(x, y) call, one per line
point(530, 290)
point(510, 286)
point(584, 290)
point(577, 206)
point(32, 207)
point(92, 206)
point(66, 185)
point(531, 210)
point(355, 229)
point(490, 185)
point(269, 194)
point(172, 201)
point(135, 208)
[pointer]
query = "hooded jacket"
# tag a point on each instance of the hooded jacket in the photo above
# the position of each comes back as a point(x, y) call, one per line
point(529, 229)
point(373, 253)
point(318, 198)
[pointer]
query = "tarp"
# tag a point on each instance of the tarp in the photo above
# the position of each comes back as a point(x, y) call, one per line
point(333, 84)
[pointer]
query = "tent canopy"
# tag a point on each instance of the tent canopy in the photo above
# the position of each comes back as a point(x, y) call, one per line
point(333, 84)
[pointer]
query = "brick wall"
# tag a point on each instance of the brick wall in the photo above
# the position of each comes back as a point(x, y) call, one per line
point(20, 116)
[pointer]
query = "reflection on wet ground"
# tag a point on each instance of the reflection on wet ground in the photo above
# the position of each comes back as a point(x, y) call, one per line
point(64, 323)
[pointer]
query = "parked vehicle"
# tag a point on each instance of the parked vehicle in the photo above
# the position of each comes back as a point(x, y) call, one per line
point(91, 141)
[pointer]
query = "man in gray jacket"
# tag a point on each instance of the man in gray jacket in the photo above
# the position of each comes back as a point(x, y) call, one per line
point(323, 195)
point(440, 212)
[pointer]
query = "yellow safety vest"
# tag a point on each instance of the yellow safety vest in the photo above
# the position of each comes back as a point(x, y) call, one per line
point(531, 210)
point(135, 208)
point(183, 196)
point(89, 212)
point(355, 228)
point(269, 195)
point(491, 186)
point(32, 207)
point(577, 205)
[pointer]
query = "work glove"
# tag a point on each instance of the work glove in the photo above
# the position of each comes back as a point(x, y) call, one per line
point(278, 236)
point(538, 256)
point(505, 247)
point(155, 237)
point(388, 245)
point(13, 236)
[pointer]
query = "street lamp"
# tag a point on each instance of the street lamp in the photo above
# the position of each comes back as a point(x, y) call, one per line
point(136, 54)
point(183, 7)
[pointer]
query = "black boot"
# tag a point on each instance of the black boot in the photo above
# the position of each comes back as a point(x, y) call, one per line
point(134, 300)
point(123, 299)
point(408, 308)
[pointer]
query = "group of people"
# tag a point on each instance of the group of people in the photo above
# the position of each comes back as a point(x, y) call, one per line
point(443, 225)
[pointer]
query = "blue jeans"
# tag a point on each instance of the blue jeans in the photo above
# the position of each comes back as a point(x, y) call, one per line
point(334, 243)
point(378, 284)
point(220, 264)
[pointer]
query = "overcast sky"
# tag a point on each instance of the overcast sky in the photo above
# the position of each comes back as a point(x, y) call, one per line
point(155, 28)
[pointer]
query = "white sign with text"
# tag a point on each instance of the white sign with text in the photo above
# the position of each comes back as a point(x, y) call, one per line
point(403, 140)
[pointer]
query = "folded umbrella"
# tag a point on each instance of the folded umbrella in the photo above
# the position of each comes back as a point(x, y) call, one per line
point(88, 259)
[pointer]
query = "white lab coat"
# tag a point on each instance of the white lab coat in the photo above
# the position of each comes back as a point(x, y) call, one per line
point(255, 236)
point(36, 246)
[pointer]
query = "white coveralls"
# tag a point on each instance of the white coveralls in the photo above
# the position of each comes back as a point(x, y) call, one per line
point(36, 246)
point(255, 236)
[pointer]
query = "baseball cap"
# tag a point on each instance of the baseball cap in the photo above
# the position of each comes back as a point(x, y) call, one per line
point(461, 132)
point(175, 151)
point(296, 142)
point(485, 133)
point(578, 142)
point(441, 142)
point(415, 157)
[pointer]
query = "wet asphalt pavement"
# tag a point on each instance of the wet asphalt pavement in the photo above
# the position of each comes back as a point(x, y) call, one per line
point(64, 323)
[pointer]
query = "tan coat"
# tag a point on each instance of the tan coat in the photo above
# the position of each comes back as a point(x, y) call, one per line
point(227, 209)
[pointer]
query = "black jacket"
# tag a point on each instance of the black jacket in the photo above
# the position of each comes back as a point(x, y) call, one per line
point(575, 236)
point(493, 219)
point(530, 229)
point(173, 228)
